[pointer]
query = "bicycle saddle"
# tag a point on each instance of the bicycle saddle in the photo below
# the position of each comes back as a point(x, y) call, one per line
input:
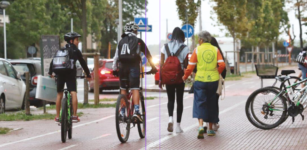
point(287, 72)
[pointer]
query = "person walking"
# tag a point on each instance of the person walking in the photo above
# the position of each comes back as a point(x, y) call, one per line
point(210, 65)
point(174, 50)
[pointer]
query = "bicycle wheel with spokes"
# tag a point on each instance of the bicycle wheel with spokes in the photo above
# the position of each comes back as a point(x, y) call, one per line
point(265, 109)
point(70, 121)
point(142, 126)
point(122, 121)
point(64, 121)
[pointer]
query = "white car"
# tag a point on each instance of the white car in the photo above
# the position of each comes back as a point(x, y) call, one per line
point(12, 88)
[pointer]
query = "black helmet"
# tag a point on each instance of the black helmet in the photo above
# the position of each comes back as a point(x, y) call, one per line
point(71, 35)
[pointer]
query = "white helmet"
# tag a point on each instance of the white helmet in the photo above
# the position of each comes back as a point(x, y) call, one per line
point(131, 26)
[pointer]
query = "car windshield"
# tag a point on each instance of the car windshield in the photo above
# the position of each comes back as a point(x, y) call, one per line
point(109, 65)
point(22, 68)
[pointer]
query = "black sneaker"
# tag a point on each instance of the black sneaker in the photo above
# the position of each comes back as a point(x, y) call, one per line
point(122, 118)
point(137, 117)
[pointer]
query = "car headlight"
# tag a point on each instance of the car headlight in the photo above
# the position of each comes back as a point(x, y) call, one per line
point(155, 60)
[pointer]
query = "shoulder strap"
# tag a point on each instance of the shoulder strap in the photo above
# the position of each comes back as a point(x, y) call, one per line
point(167, 50)
point(179, 50)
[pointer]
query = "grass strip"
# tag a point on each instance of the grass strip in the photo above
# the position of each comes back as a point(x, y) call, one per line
point(21, 116)
point(4, 130)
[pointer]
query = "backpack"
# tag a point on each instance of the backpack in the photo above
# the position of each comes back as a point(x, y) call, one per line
point(171, 70)
point(300, 58)
point(63, 61)
point(128, 49)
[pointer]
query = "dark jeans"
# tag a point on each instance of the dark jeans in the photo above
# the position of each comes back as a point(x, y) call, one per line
point(171, 90)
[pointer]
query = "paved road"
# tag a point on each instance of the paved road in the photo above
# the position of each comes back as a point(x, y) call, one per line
point(97, 128)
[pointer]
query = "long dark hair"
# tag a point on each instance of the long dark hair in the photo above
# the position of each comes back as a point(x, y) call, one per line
point(178, 35)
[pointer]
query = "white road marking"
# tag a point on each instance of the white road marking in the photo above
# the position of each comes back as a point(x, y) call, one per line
point(50, 133)
point(68, 147)
point(156, 143)
point(187, 107)
point(105, 135)
point(152, 119)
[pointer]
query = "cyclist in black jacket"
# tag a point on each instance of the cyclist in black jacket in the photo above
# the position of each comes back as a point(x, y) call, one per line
point(72, 39)
point(131, 69)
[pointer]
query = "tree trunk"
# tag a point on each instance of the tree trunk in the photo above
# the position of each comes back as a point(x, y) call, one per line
point(300, 22)
point(84, 45)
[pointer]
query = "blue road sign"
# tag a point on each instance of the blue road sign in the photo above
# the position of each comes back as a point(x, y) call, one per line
point(286, 44)
point(141, 21)
point(144, 28)
point(169, 36)
point(144, 60)
point(188, 30)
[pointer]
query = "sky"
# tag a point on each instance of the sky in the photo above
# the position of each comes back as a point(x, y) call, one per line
point(161, 10)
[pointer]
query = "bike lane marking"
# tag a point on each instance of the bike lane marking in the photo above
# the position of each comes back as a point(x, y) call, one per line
point(152, 119)
point(105, 135)
point(68, 147)
point(156, 143)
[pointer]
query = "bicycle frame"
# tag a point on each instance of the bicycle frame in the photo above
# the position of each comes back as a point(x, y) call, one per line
point(295, 97)
point(68, 97)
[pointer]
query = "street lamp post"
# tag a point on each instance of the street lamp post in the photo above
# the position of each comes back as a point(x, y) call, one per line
point(71, 20)
point(3, 5)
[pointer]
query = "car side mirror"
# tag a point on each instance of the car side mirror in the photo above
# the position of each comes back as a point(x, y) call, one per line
point(19, 75)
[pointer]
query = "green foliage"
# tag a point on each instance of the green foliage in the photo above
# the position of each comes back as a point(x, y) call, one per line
point(188, 8)
point(232, 14)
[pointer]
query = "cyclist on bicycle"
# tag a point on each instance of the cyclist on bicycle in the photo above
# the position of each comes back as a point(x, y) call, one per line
point(72, 39)
point(128, 55)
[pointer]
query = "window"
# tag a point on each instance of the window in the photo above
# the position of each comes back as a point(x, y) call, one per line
point(10, 70)
point(2, 69)
point(109, 65)
point(22, 68)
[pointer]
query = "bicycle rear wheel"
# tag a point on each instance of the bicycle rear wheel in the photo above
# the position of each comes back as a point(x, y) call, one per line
point(122, 121)
point(142, 126)
point(70, 121)
point(262, 112)
point(64, 121)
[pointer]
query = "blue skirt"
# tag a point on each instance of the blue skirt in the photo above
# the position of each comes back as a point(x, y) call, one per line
point(205, 104)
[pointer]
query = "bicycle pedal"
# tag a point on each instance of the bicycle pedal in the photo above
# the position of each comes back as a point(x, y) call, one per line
point(303, 117)
point(293, 119)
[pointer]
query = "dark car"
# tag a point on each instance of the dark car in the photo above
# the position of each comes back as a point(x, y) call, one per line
point(33, 66)
point(106, 79)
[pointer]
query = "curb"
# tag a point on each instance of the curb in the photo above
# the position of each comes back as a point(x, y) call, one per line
point(159, 90)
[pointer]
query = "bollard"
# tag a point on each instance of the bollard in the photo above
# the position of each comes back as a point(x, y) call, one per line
point(26, 102)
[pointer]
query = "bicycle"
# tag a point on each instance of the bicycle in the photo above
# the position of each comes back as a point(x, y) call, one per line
point(123, 122)
point(273, 111)
point(66, 115)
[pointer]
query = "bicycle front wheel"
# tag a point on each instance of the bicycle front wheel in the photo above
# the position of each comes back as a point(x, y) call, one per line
point(265, 110)
point(122, 120)
point(142, 126)
point(70, 121)
point(64, 121)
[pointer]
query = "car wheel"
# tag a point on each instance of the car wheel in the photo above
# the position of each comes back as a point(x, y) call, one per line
point(2, 105)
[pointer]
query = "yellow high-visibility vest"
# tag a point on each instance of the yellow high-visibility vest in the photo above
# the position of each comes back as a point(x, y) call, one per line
point(207, 63)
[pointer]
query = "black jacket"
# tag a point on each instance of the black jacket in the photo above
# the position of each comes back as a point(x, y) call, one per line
point(77, 55)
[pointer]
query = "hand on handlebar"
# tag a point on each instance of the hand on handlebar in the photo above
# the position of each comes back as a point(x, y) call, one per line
point(153, 70)
point(115, 73)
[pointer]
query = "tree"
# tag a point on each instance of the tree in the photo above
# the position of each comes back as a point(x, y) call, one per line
point(232, 14)
point(109, 28)
point(188, 12)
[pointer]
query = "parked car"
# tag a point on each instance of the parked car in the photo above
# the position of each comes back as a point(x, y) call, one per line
point(33, 66)
point(12, 88)
point(106, 79)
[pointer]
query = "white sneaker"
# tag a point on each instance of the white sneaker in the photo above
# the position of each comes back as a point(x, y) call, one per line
point(179, 130)
point(215, 126)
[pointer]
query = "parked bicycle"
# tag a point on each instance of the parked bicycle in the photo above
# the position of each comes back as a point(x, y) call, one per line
point(276, 105)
